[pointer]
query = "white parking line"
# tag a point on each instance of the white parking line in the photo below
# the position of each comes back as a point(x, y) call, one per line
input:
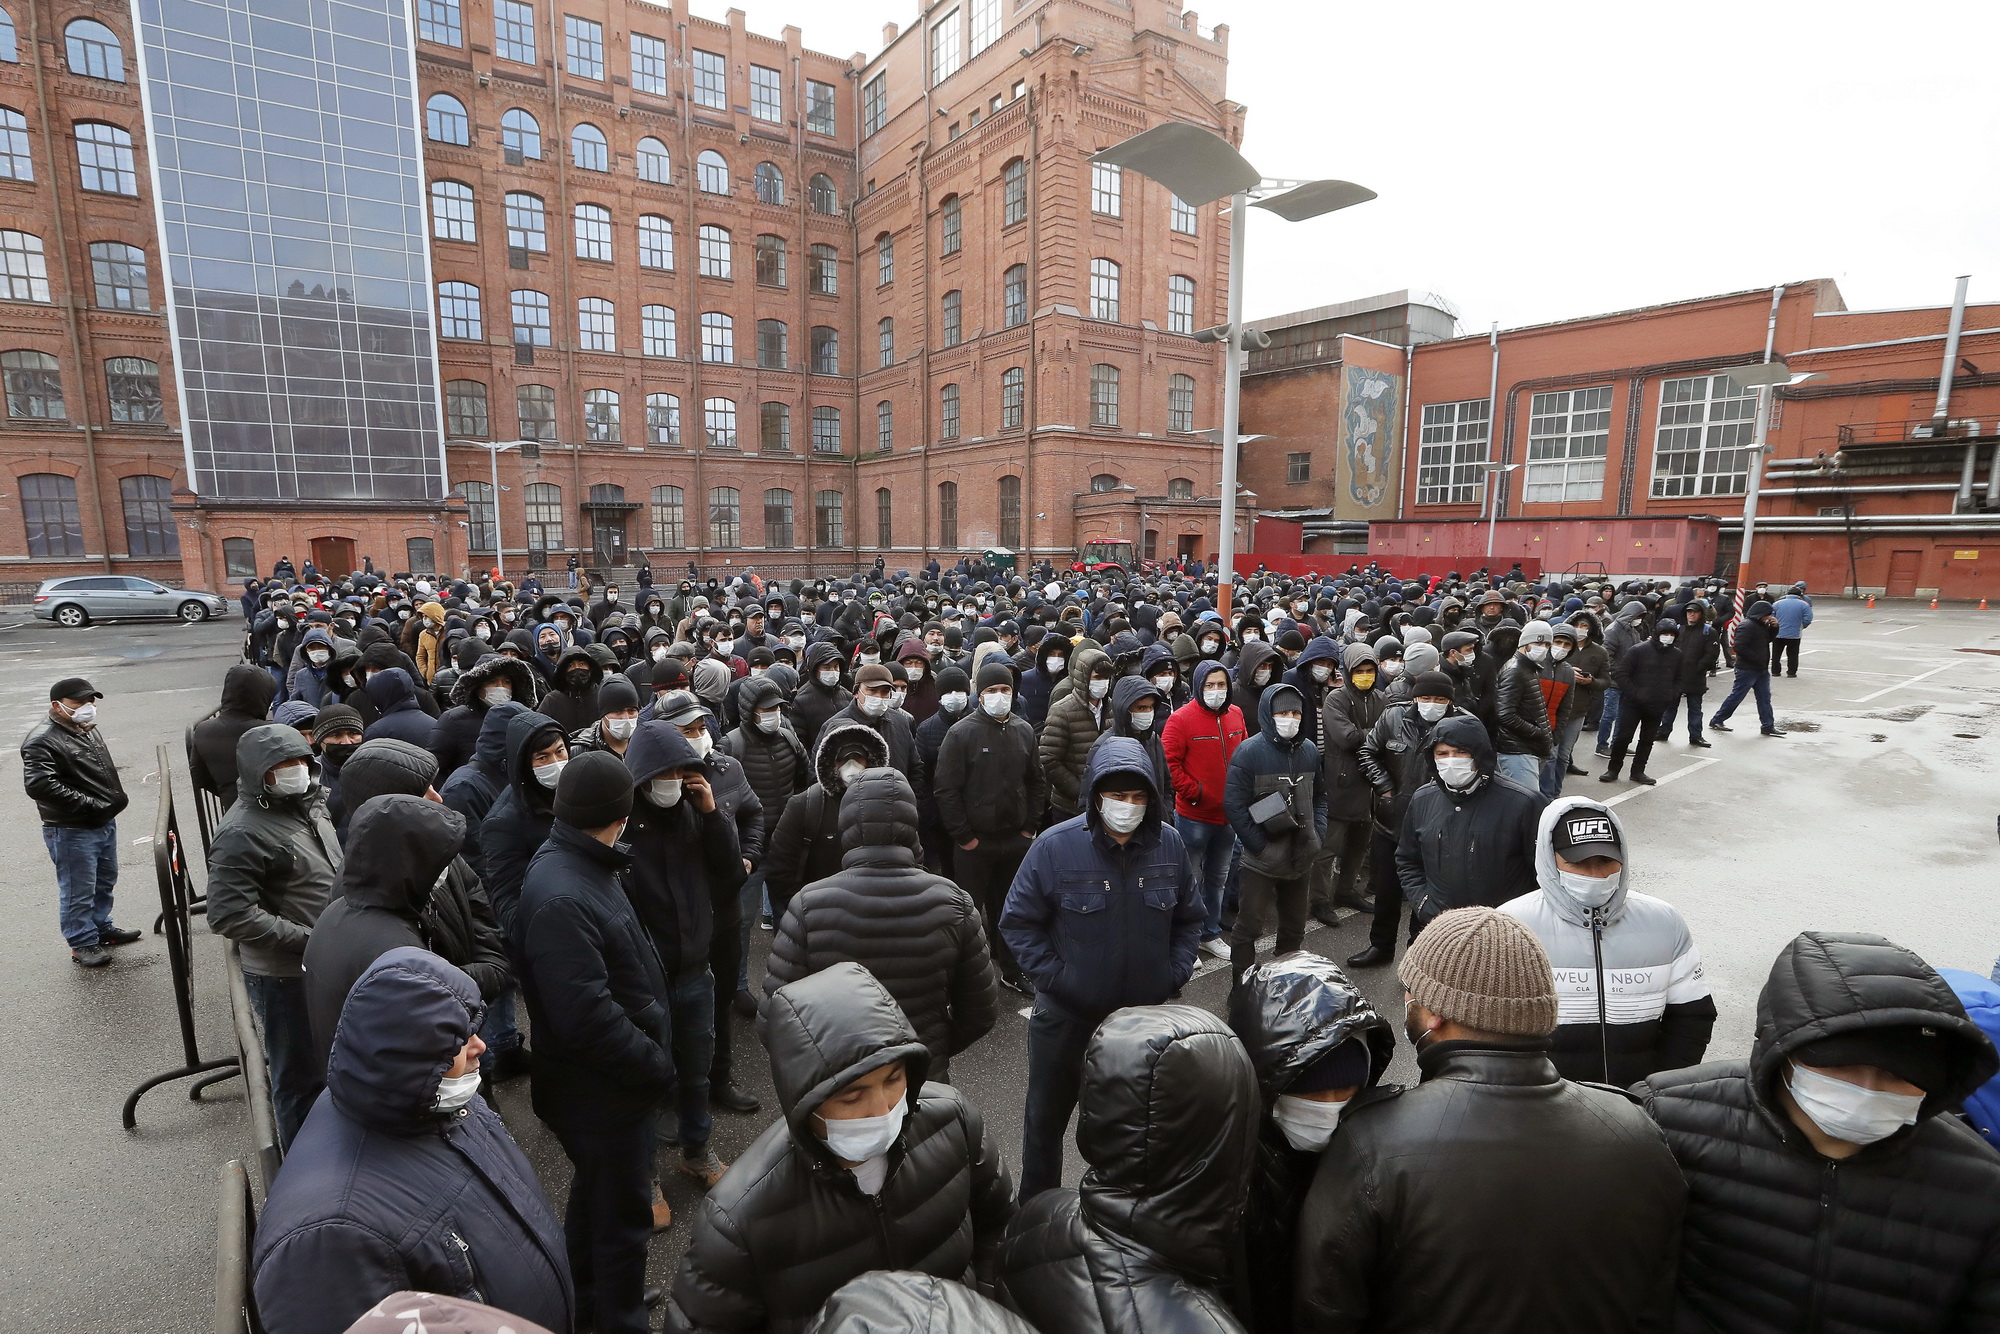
point(1665, 779)
point(1886, 633)
point(1898, 686)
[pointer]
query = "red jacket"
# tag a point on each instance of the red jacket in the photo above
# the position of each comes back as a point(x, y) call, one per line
point(1199, 742)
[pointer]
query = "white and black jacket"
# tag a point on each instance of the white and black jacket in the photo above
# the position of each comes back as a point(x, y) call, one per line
point(1632, 997)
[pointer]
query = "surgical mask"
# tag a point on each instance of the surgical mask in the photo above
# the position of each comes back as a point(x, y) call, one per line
point(660, 653)
point(454, 1091)
point(859, 1138)
point(874, 706)
point(1121, 817)
point(1535, 652)
point(1362, 680)
point(759, 671)
point(483, 631)
point(547, 774)
point(1307, 1125)
point(1456, 771)
point(1320, 671)
point(830, 677)
point(1462, 658)
point(1588, 890)
point(1559, 652)
point(1099, 688)
point(664, 792)
point(1393, 668)
point(851, 770)
point(292, 782)
point(318, 657)
point(1430, 710)
point(997, 703)
point(1056, 663)
point(1850, 1112)
point(1209, 647)
point(1285, 727)
point(1251, 636)
point(1141, 720)
point(1261, 677)
point(870, 659)
point(1665, 638)
point(702, 744)
point(896, 697)
point(796, 641)
point(1164, 684)
point(768, 719)
point(621, 729)
point(1215, 697)
point(952, 701)
point(915, 670)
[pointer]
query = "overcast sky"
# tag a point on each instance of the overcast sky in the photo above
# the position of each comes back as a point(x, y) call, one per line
point(1555, 159)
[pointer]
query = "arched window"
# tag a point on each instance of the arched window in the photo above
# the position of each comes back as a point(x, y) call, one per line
point(669, 516)
point(17, 160)
point(1014, 182)
point(535, 411)
point(1180, 304)
point(239, 558)
point(1014, 294)
point(770, 183)
point(521, 132)
point(948, 412)
point(885, 426)
point(48, 509)
point(1010, 512)
point(711, 173)
point(712, 251)
point(954, 316)
point(774, 428)
point(34, 385)
point(593, 232)
point(826, 430)
point(452, 216)
point(588, 149)
point(656, 241)
point(543, 501)
point(479, 525)
point(445, 120)
point(94, 51)
point(1104, 481)
point(132, 384)
point(600, 416)
point(885, 338)
point(1103, 395)
point(465, 409)
point(104, 159)
point(950, 226)
point(772, 344)
point(655, 163)
point(1104, 281)
point(1180, 403)
point(947, 514)
point(825, 199)
point(1180, 488)
point(149, 523)
point(24, 268)
point(771, 260)
point(658, 332)
point(885, 259)
point(530, 310)
point(718, 337)
point(1013, 398)
point(725, 503)
point(828, 528)
point(885, 506)
point(596, 325)
point(458, 311)
point(825, 350)
point(10, 47)
point(527, 222)
point(778, 519)
point(663, 427)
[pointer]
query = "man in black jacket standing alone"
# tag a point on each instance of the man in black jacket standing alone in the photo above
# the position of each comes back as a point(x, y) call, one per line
point(68, 771)
point(1753, 669)
point(1648, 677)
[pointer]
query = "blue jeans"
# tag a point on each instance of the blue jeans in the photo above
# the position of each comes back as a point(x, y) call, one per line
point(1521, 770)
point(296, 1078)
point(1749, 680)
point(1211, 849)
point(1607, 719)
point(1693, 699)
point(497, 1031)
point(1556, 767)
point(86, 870)
point(691, 1043)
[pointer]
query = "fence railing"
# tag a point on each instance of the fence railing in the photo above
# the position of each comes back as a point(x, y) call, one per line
point(235, 1227)
point(256, 1075)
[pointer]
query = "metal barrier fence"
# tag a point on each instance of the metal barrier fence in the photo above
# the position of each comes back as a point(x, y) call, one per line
point(256, 1074)
point(17, 595)
point(235, 1227)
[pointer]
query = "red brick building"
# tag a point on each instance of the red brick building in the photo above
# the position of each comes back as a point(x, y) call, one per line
point(1623, 417)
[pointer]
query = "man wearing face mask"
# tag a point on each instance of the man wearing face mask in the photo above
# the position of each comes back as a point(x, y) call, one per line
point(1648, 678)
point(1139, 711)
point(403, 1176)
point(1751, 641)
point(1633, 995)
point(873, 707)
point(1318, 1046)
point(805, 845)
point(1826, 1174)
point(336, 736)
point(518, 823)
point(69, 774)
point(990, 791)
point(871, 1167)
point(776, 767)
point(1277, 810)
point(614, 730)
point(1494, 1195)
point(1528, 684)
point(954, 699)
point(1348, 713)
point(598, 999)
point(1038, 683)
point(1468, 837)
point(1395, 761)
point(492, 678)
point(1074, 722)
point(1199, 739)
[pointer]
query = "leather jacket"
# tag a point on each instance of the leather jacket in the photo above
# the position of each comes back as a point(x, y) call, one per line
point(70, 774)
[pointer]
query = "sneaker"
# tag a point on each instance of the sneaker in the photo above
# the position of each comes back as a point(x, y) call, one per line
point(765, 923)
point(706, 1169)
point(1603, 752)
point(1608, 776)
point(113, 935)
point(91, 956)
point(1217, 948)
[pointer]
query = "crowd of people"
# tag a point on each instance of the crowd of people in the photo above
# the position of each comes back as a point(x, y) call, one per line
point(442, 800)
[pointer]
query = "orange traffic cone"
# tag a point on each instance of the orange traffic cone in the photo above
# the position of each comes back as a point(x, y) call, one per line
point(1982, 604)
point(1871, 602)
point(1933, 604)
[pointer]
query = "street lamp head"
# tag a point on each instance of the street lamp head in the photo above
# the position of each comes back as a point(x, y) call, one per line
point(1316, 197)
point(1759, 374)
point(1197, 165)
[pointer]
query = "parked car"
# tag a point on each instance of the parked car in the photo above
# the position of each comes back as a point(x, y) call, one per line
point(78, 601)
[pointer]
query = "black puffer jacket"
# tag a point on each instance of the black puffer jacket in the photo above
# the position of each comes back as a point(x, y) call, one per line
point(1289, 1013)
point(456, 735)
point(1167, 1123)
point(686, 865)
point(1649, 675)
point(1904, 1236)
point(246, 703)
point(774, 762)
point(989, 783)
point(789, 1225)
point(813, 704)
point(805, 845)
point(1476, 846)
point(1346, 717)
point(1493, 1198)
point(918, 933)
point(895, 1299)
point(574, 707)
point(520, 817)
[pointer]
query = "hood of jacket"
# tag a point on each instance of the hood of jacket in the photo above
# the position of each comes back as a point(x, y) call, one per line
point(1087, 658)
point(398, 847)
point(1550, 878)
point(1319, 649)
point(1468, 734)
point(386, 765)
point(1167, 1122)
point(1357, 655)
point(1257, 653)
point(1052, 642)
point(317, 637)
point(528, 732)
point(838, 735)
point(1267, 712)
point(655, 748)
point(757, 692)
point(827, 1030)
point(902, 1299)
point(262, 749)
point(1199, 676)
point(1126, 692)
point(490, 750)
point(401, 1028)
point(247, 692)
point(1157, 654)
point(1826, 983)
point(879, 810)
point(391, 689)
point(494, 669)
point(578, 656)
point(1123, 756)
point(1290, 1012)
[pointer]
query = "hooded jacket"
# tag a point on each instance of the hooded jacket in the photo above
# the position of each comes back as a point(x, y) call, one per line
point(273, 861)
point(380, 1192)
point(1127, 693)
point(789, 1225)
point(1258, 655)
point(686, 866)
point(1649, 673)
point(397, 713)
point(1289, 1013)
point(574, 708)
point(774, 761)
point(1199, 741)
point(519, 821)
point(893, 727)
point(1267, 765)
point(1167, 1125)
point(247, 693)
point(308, 682)
point(1347, 715)
point(890, 1299)
point(1632, 996)
point(1475, 846)
point(1098, 925)
point(805, 845)
point(1038, 682)
point(474, 786)
point(1903, 1236)
point(1157, 659)
point(1073, 723)
point(456, 735)
point(990, 783)
point(1319, 650)
point(813, 704)
point(916, 933)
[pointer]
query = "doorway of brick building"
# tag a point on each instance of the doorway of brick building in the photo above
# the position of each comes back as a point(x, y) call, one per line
point(334, 556)
point(1903, 567)
point(607, 539)
point(1186, 545)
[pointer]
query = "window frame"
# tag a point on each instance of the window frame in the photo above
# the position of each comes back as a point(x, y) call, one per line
point(1453, 439)
point(709, 83)
point(583, 47)
point(1569, 439)
point(1711, 439)
point(767, 94)
point(1107, 278)
point(515, 41)
point(1104, 396)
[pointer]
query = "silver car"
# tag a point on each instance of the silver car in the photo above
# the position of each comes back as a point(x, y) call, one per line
point(79, 600)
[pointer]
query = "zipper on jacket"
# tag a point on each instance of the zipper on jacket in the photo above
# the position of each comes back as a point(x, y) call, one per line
point(472, 1270)
point(1603, 1025)
point(1822, 1242)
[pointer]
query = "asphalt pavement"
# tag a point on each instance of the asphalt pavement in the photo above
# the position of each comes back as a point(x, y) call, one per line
point(1876, 814)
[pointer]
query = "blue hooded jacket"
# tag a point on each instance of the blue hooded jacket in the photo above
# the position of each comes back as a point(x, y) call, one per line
point(381, 1192)
point(307, 682)
point(397, 713)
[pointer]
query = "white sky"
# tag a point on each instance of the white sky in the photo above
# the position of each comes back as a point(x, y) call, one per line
point(1559, 158)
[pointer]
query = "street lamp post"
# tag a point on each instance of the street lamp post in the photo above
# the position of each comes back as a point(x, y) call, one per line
point(1491, 501)
point(494, 449)
point(1200, 167)
point(1764, 377)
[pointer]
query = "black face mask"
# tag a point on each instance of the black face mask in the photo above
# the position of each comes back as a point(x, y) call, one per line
point(339, 751)
point(578, 680)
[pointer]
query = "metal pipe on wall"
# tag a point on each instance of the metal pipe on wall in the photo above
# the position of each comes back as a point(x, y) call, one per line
point(1993, 479)
point(1943, 409)
point(1491, 481)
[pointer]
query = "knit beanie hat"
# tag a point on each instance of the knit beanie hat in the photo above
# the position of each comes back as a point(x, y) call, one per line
point(1537, 632)
point(1345, 1067)
point(1481, 968)
point(1432, 683)
point(595, 790)
point(333, 718)
point(995, 672)
point(950, 679)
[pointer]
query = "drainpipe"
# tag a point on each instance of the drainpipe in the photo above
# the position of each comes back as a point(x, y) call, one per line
point(1993, 480)
point(1942, 411)
point(1031, 397)
point(694, 418)
point(1492, 481)
point(1409, 393)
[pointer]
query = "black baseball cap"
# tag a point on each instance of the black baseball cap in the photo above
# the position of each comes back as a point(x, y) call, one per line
point(1583, 832)
point(74, 687)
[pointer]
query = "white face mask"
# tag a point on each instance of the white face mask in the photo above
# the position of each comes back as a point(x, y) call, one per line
point(547, 774)
point(796, 641)
point(84, 716)
point(1667, 639)
point(1099, 689)
point(483, 631)
point(664, 792)
point(1456, 771)
point(1307, 1125)
point(1285, 727)
point(852, 770)
point(874, 706)
point(1262, 676)
point(830, 677)
point(870, 659)
point(1589, 890)
point(1535, 652)
point(702, 744)
point(292, 781)
point(1251, 636)
point(1559, 652)
point(621, 729)
point(1056, 664)
point(1121, 817)
point(896, 697)
point(915, 671)
point(1164, 684)
point(318, 657)
point(1141, 719)
point(1320, 671)
point(1431, 710)
point(1215, 697)
point(496, 694)
point(997, 703)
point(859, 1138)
point(759, 671)
point(454, 1091)
point(768, 719)
point(1209, 648)
point(660, 653)
point(1850, 1112)
point(1393, 668)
